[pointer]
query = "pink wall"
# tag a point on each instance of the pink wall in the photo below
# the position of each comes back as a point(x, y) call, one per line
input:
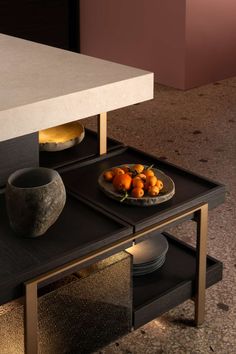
point(148, 34)
point(186, 43)
point(210, 41)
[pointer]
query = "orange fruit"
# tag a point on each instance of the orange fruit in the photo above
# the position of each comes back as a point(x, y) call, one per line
point(122, 182)
point(152, 180)
point(136, 178)
point(153, 191)
point(148, 173)
point(137, 192)
point(159, 184)
point(118, 171)
point(108, 176)
point(138, 168)
point(137, 182)
point(142, 176)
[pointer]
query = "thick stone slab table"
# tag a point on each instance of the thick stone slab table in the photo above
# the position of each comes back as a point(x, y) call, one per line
point(42, 86)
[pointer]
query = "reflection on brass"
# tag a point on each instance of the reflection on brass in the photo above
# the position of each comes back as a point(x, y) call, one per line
point(202, 223)
point(200, 213)
point(61, 137)
point(31, 319)
point(102, 133)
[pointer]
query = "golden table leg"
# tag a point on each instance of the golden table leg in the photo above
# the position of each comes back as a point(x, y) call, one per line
point(102, 133)
point(202, 221)
point(31, 318)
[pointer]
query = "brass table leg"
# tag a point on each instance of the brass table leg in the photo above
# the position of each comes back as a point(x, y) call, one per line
point(102, 133)
point(202, 221)
point(31, 318)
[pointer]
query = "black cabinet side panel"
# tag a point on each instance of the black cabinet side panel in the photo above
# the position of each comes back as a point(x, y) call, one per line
point(18, 153)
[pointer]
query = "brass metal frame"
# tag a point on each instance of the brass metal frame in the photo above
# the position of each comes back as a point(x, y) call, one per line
point(200, 215)
point(201, 246)
point(102, 133)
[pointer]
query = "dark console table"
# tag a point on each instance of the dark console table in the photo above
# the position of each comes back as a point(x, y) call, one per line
point(74, 242)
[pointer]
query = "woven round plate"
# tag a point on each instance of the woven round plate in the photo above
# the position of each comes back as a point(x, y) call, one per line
point(166, 194)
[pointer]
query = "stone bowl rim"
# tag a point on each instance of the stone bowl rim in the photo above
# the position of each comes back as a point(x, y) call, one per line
point(52, 174)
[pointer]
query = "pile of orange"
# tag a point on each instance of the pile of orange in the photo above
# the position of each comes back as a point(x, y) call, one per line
point(136, 180)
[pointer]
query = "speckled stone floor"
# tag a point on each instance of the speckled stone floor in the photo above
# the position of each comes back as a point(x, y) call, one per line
point(195, 129)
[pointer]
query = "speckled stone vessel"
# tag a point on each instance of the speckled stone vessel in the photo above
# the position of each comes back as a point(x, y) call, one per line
point(35, 198)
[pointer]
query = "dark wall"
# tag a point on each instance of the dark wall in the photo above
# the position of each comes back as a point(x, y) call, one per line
point(52, 22)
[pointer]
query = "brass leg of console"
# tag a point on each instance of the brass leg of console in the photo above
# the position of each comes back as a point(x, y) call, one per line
point(202, 221)
point(31, 318)
point(102, 133)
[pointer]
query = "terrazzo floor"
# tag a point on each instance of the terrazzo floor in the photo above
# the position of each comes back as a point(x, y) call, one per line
point(195, 129)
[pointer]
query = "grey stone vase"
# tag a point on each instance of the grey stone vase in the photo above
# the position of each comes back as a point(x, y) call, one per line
point(35, 198)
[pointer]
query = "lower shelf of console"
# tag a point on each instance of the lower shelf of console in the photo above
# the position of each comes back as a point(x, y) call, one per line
point(172, 284)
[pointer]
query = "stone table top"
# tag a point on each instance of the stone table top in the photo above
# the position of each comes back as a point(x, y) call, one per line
point(43, 86)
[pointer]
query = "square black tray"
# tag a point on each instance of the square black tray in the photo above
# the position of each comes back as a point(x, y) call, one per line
point(191, 189)
point(79, 230)
point(172, 284)
point(87, 149)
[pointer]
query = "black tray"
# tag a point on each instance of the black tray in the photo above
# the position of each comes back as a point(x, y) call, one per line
point(79, 230)
point(191, 189)
point(88, 148)
point(172, 284)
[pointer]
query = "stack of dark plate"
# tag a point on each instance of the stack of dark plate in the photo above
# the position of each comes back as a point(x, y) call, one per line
point(149, 255)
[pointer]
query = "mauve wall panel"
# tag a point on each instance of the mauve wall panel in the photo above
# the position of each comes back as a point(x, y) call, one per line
point(186, 43)
point(146, 34)
point(210, 41)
